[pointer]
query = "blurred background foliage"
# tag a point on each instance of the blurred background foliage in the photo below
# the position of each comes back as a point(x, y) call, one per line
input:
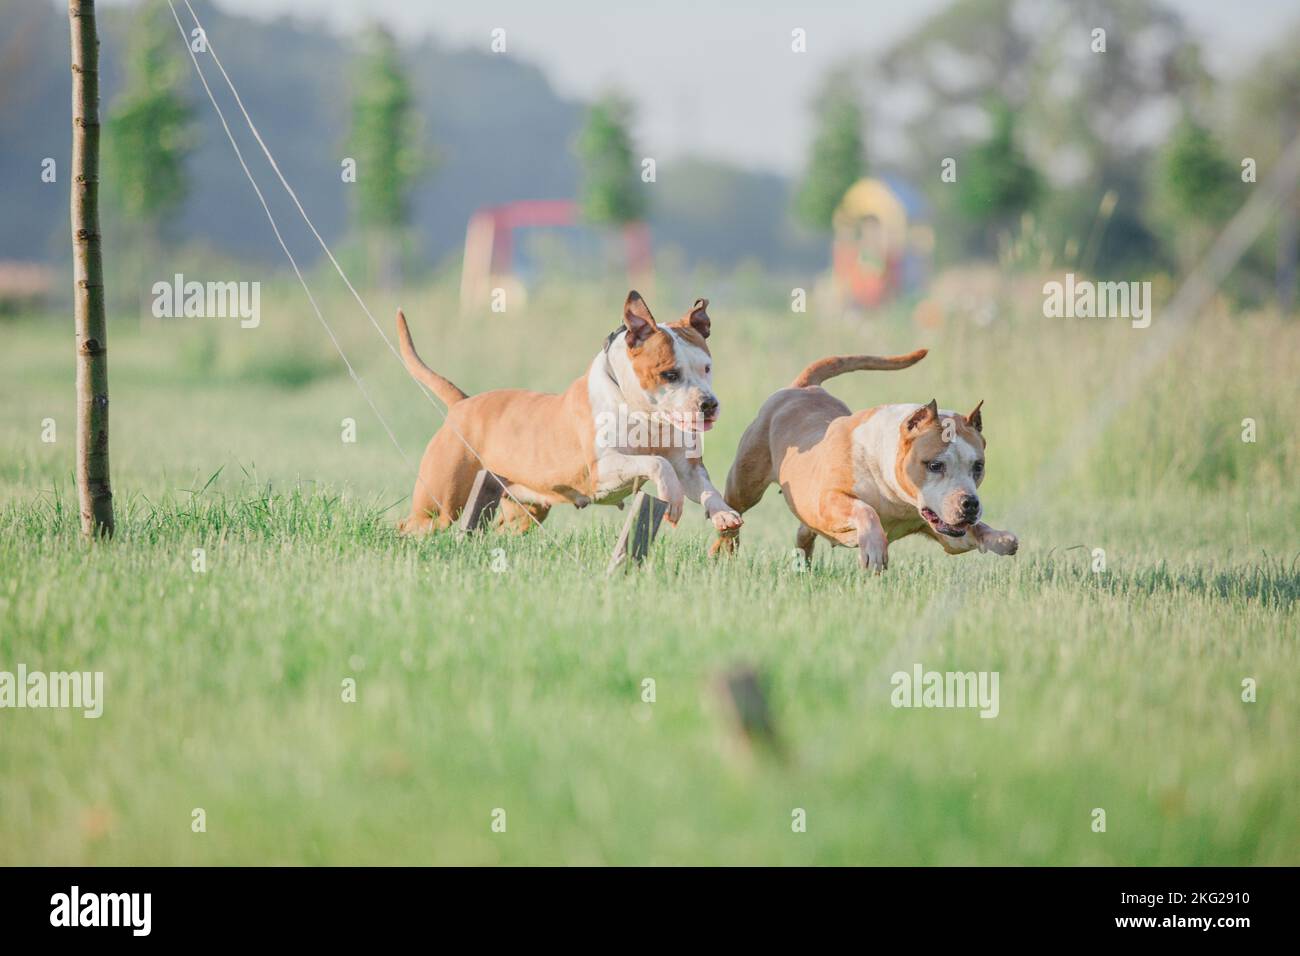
point(1120, 163)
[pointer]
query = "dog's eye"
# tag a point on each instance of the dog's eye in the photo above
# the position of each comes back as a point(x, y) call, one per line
point(708, 369)
point(934, 467)
point(672, 375)
point(977, 469)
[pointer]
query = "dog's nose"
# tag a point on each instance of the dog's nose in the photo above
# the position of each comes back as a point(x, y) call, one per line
point(970, 506)
point(709, 406)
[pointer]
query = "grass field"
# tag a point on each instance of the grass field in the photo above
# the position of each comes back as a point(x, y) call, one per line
point(521, 689)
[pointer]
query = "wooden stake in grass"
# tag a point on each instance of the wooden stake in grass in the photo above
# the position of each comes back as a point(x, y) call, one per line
point(639, 530)
point(484, 497)
point(745, 705)
point(94, 493)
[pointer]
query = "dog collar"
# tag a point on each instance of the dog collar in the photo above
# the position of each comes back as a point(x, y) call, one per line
point(609, 366)
point(609, 339)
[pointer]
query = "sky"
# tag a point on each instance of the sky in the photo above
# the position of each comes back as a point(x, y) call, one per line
point(712, 77)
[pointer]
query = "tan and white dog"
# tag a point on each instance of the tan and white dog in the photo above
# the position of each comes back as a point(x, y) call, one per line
point(867, 478)
point(569, 448)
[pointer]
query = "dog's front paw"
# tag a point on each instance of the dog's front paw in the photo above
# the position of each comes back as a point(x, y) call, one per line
point(1000, 542)
point(874, 556)
point(727, 522)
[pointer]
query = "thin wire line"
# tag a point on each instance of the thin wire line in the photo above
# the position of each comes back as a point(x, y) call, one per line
point(1192, 294)
point(339, 269)
point(293, 262)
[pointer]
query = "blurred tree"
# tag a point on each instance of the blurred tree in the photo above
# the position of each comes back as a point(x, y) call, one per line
point(1265, 118)
point(385, 144)
point(996, 183)
point(1086, 116)
point(149, 135)
point(838, 158)
point(610, 192)
point(718, 214)
point(1196, 189)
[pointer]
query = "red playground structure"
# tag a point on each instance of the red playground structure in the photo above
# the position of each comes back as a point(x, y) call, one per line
point(490, 241)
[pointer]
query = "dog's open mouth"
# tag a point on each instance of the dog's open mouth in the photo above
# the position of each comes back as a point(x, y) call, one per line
point(941, 526)
point(693, 421)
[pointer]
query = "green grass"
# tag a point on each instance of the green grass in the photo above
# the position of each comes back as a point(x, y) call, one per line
point(521, 689)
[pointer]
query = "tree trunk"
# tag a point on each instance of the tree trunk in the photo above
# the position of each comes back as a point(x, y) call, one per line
point(93, 490)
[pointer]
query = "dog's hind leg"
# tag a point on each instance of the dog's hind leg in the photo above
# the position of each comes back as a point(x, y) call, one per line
point(425, 514)
point(742, 494)
point(747, 480)
point(804, 539)
point(724, 544)
point(442, 486)
point(416, 523)
point(520, 518)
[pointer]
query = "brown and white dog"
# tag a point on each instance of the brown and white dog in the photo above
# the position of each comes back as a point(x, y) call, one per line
point(867, 478)
point(571, 448)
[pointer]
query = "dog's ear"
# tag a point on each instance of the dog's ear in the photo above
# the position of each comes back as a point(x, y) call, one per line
point(923, 416)
point(636, 316)
point(698, 318)
point(974, 420)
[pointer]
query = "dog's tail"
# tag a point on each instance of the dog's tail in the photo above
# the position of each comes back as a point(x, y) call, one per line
point(822, 369)
point(440, 386)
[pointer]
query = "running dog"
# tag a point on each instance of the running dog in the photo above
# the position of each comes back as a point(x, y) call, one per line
point(867, 478)
point(577, 447)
